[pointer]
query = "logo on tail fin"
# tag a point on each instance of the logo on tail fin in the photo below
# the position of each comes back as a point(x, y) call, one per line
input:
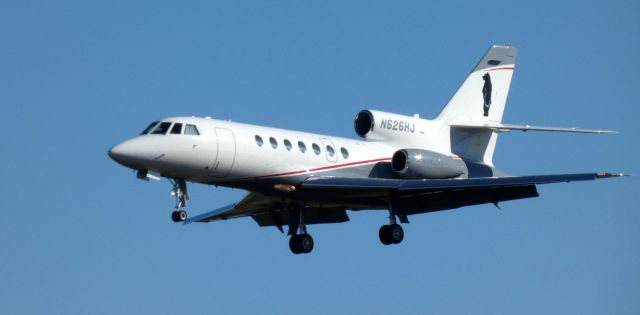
point(486, 93)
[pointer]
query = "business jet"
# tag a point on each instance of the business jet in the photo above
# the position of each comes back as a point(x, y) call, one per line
point(404, 165)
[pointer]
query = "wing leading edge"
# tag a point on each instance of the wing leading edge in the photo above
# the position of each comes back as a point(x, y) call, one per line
point(249, 205)
point(403, 185)
point(271, 211)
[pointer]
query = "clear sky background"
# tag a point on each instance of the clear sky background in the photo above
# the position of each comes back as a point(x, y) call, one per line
point(80, 234)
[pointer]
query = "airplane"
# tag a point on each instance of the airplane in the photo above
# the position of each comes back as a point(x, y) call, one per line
point(404, 165)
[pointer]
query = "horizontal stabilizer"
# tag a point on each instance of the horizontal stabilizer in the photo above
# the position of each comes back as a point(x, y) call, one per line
point(499, 127)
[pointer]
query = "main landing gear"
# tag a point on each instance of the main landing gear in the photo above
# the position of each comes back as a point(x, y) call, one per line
point(179, 191)
point(302, 242)
point(391, 233)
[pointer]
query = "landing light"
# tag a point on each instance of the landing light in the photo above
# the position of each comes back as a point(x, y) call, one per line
point(284, 187)
point(147, 175)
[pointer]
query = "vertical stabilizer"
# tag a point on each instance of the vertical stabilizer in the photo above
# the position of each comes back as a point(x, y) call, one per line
point(481, 98)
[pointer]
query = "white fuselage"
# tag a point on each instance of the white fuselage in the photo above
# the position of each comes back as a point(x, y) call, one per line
point(226, 152)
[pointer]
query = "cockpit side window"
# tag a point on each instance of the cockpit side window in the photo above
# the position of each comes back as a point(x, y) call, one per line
point(177, 129)
point(162, 128)
point(191, 130)
point(146, 130)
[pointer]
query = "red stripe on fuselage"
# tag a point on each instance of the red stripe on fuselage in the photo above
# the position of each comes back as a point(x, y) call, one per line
point(505, 68)
point(324, 168)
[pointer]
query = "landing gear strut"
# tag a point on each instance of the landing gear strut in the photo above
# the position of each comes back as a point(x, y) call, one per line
point(391, 233)
point(179, 191)
point(302, 242)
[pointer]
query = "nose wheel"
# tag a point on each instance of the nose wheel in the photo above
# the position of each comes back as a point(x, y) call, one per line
point(179, 191)
point(178, 216)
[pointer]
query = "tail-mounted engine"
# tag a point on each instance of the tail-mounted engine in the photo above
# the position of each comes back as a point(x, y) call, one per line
point(377, 126)
point(424, 164)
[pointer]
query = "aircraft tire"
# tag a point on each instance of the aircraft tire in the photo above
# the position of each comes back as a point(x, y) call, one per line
point(178, 216)
point(294, 244)
point(174, 216)
point(396, 233)
point(305, 243)
point(385, 235)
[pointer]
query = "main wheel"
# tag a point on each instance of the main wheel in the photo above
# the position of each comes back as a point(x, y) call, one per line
point(396, 233)
point(305, 242)
point(385, 235)
point(294, 244)
point(178, 216)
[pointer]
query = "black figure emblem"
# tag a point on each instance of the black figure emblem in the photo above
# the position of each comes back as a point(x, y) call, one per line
point(486, 93)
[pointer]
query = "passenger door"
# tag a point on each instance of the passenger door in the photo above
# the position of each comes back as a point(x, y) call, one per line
point(226, 153)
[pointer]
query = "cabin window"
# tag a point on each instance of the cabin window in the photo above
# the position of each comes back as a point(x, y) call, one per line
point(146, 130)
point(191, 130)
point(316, 149)
point(274, 143)
point(302, 146)
point(161, 128)
point(177, 129)
point(287, 144)
point(259, 141)
point(331, 151)
point(345, 153)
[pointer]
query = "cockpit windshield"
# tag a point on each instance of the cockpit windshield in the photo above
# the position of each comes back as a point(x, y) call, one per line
point(177, 129)
point(168, 127)
point(146, 130)
point(161, 128)
point(191, 130)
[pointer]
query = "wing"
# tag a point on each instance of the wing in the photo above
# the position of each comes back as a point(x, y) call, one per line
point(251, 204)
point(403, 185)
point(419, 196)
point(508, 127)
point(271, 211)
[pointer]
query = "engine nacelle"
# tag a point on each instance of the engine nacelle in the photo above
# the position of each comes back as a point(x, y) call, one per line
point(424, 164)
point(377, 126)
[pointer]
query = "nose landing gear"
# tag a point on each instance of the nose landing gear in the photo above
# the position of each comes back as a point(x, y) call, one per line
point(179, 191)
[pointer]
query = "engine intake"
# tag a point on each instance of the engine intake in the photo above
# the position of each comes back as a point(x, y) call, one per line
point(374, 125)
point(424, 164)
point(363, 123)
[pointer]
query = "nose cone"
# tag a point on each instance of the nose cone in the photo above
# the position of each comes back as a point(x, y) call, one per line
point(122, 153)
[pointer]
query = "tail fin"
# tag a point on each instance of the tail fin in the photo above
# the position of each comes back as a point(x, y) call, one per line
point(480, 99)
point(483, 94)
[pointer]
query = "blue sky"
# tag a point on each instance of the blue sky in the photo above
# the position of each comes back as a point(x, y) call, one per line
point(81, 235)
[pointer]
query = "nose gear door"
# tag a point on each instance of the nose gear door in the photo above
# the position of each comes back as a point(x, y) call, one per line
point(226, 153)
